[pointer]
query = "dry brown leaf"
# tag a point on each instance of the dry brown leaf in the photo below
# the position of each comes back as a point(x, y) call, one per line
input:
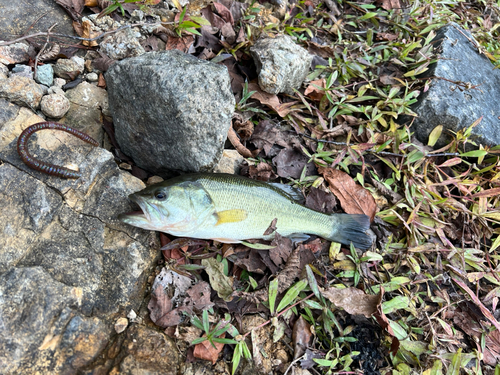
point(198, 296)
point(354, 198)
point(72, 7)
point(205, 350)
point(390, 4)
point(101, 82)
point(384, 323)
point(88, 33)
point(285, 279)
point(352, 300)
point(314, 92)
point(261, 172)
point(224, 13)
point(160, 307)
point(301, 337)
point(182, 44)
point(271, 100)
point(282, 251)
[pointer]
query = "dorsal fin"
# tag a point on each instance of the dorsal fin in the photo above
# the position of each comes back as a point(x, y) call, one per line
point(292, 192)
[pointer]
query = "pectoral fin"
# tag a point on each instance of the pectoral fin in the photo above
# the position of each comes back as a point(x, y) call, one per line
point(231, 216)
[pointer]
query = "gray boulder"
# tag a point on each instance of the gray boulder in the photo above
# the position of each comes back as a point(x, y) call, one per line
point(281, 63)
point(171, 111)
point(457, 106)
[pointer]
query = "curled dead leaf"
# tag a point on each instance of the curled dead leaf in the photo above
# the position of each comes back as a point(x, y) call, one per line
point(205, 350)
point(88, 33)
point(353, 300)
point(301, 337)
point(354, 198)
point(270, 100)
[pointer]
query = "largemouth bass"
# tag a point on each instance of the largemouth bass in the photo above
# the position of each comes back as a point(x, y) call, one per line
point(230, 209)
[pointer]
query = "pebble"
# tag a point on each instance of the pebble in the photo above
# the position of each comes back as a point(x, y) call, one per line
point(56, 90)
point(59, 82)
point(122, 44)
point(230, 162)
point(22, 91)
point(92, 77)
point(22, 70)
point(54, 105)
point(45, 75)
point(154, 180)
point(121, 325)
point(69, 68)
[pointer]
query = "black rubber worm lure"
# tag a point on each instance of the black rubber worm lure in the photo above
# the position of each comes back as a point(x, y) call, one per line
point(52, 169)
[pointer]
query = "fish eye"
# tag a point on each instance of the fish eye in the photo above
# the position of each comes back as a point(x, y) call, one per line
point(160, 195)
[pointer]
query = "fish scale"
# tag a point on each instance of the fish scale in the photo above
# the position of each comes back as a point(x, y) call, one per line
point(264, 204)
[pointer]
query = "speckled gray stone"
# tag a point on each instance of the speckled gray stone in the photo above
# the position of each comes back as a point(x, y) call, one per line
point(171, 111)
point(453, 106)
point(281, 63)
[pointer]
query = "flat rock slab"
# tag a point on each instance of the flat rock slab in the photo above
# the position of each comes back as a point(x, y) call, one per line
point(16, 18)
point(171, 111)
point(68, 267)
point(452, 105)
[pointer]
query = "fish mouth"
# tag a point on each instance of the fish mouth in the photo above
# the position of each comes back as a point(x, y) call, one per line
point(138, 216)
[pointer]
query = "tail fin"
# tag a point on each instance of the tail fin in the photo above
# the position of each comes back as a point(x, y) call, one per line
point(352, 228)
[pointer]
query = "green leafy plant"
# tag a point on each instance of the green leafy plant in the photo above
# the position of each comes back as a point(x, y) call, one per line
point(213, 335)
point(117, 4)
point(190, 25)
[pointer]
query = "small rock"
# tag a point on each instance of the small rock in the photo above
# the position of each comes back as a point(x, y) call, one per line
point(121, 325)
point(56, 90)
point(59, 82)
point(14, 53)
point(22, 70)
point(132, 316)
point(154, 180)
point(45, 75)
point(281, 63)
point(21, 90)
point(69, 68)
point(125, 166)
point(92, 77)
point(230, 162)
point(54, 105)
point(121, 45)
